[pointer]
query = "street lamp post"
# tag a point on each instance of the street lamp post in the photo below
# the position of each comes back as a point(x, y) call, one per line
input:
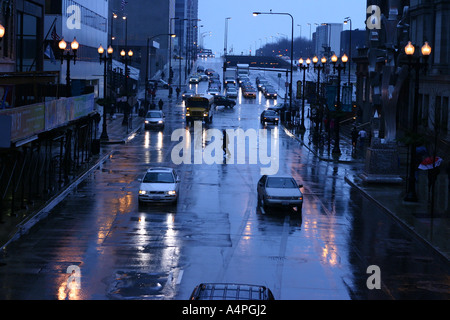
point(147, 60)
point(348, 19)
point(304, 68)
point(170, 51)
point(126, 59)
point(225, 49)
point(339, 67)
point(318, 68)
point(292, 49)
point(417, 65)
point(106, 59)
point(68, 56)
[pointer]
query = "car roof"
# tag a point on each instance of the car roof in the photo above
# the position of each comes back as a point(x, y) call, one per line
point(160, 169)
point(281, 175)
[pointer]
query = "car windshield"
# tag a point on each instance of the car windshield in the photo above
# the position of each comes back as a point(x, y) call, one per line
point(270, 113)
point(158, 177)
point(153, 114)
point(274, 182)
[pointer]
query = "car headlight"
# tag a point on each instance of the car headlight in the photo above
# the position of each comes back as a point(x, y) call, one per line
point(142, 192)
point(160, 121)
point(205, 114)
point(276, 119)
point(146, 121)
point(171, 193)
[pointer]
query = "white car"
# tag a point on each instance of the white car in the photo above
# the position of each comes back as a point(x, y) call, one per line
point(231, 93)
point(159, 184)
point(154, 119)
point(213, 91)
point(279, 191)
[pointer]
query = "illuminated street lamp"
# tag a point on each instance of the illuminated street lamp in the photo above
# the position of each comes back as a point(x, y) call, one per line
point(107, 58)
point(417, 65)
point(67, 55)
point(304, 68)
point(339, 67)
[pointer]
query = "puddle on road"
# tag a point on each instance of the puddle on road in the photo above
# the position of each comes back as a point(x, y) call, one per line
point(136, 285)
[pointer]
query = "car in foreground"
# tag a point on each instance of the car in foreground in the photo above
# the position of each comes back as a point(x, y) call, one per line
point(269, 116)
point(154, 119)
point(159, 184)
point(231, 291)
point(279, 191)
point(221, 100)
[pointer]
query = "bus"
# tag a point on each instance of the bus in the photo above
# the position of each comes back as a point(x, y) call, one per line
point(199, 107)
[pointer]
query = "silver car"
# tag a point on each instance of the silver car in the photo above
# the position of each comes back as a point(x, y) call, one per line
point(279, 191)
point(154, 119)
point(159, 184)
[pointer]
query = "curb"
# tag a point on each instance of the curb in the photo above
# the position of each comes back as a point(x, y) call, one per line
point(315, 153)
point(407, 227)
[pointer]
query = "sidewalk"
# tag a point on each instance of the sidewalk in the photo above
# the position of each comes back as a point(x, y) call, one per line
point(415, 217)
point(15, 227)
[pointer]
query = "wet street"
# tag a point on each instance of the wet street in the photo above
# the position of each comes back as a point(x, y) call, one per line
point(217, 232)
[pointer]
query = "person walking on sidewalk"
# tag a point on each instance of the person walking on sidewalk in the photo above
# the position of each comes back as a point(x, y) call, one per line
point(160, 104)
point(178, 92)
point(362, 135)
point(170, 91)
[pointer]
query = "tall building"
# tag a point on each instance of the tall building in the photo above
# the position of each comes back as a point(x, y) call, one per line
point(146, 19)
point(328, 38)
point(86, 21)
point(186, 26)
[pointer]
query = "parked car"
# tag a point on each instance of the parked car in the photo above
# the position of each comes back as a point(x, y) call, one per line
point(154, 119)
point(279, 191)
point(159, 184)
point(220, 100)
point(158, 83)
point(269, 116)
point(230, 291)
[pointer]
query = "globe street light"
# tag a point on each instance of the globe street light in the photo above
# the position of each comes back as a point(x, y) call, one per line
point(67, 55)
point(107, 58)
point(304, 68)
point(417, 65)
point(339, 67)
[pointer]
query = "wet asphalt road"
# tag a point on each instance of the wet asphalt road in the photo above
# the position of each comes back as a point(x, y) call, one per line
point(216, 232)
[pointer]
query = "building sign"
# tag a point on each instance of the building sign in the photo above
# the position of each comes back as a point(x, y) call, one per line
point(30, 120)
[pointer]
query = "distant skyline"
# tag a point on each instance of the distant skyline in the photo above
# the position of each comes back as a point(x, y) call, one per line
point(247, 32)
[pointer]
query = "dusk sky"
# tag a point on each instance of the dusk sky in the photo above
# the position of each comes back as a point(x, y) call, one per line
point(246, 30)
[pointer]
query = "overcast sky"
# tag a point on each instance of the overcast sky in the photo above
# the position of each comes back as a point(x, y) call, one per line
point(246, 30)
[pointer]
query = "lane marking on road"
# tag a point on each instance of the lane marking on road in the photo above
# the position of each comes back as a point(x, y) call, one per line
point(180, 276)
